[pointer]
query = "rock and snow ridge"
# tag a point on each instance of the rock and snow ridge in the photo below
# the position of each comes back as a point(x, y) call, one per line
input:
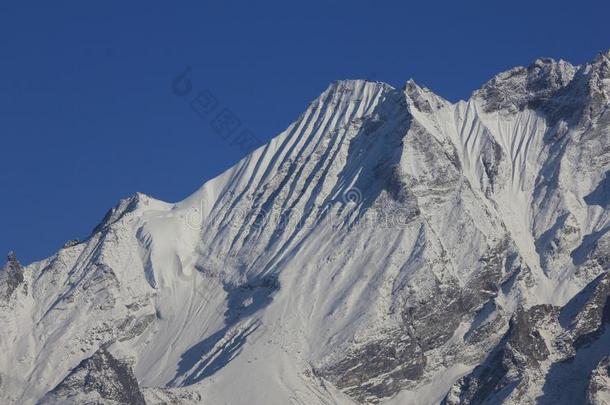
point(388, 247)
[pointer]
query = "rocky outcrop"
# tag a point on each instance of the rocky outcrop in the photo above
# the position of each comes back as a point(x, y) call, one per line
point(598, 391)
point(593, 317)
point(101, 379)
point(530, 86)
point(378, 369)
point(11, 278)
point(505, 372)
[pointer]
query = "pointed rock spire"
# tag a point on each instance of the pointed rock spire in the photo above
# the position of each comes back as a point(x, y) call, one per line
point(12, 257)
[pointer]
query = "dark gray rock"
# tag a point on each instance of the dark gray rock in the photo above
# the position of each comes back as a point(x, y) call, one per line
point(100, 379)
point(599, 383)
point(523, 87)
point(521, 349)
point(397, 355)
point(11, 277)
point(594, 316)
point(70, 243)
point(124, 207)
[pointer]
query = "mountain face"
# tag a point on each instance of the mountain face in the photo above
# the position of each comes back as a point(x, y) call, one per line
point(388, 247)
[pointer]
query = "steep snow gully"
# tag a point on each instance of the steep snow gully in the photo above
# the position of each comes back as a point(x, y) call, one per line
point(388, 247)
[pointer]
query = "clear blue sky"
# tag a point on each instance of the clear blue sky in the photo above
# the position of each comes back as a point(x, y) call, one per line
point(87, 116)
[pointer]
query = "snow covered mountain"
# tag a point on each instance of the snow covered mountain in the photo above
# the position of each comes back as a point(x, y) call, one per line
point(388, 247)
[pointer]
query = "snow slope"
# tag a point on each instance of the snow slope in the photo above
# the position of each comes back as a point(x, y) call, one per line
point(389, 246)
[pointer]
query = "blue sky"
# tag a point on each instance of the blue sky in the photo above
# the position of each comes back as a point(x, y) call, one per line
point(87, 115)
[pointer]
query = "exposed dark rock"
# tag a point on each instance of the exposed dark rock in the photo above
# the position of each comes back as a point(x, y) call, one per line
point(130, 327)
point(524, 335)
point(100, 378)
point(599, 383)
point(397, 355)
point(523, 87)
point(417, 96)
point(594, 316)
point(491, 159)
point(11, 277)
point(124, 207)
point(486, 330)
point(429, 322)
point(521, 349)
point(70, 243)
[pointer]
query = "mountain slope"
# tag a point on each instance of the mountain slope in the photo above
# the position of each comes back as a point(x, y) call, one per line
point(388, 246)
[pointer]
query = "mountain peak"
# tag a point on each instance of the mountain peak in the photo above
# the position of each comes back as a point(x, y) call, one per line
point(603, 55)
point(516, 88)
point(138, 201)
point(12, 257)
point(422, 98)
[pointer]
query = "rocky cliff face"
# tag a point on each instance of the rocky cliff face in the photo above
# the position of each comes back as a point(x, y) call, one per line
point(11, 278)
point(388, 247)
point(100, 378)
